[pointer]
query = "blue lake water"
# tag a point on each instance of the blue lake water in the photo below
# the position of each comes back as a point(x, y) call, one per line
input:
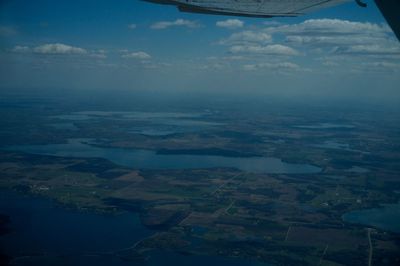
point(326, 126)
point(65, 126)
point(86, 115)
point(173, 259)
point(155, 132)
point(43, 233)
point(41, 227)
point(152, 129)
point(386, 218)
point(145, 123)
point(147, 159)
point(329, 144)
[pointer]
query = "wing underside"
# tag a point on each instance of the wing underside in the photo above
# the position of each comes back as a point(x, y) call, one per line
point(277, 8)
point(390, 10)
point(251, 8)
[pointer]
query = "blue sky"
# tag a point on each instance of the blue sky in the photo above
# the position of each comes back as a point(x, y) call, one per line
point(136, 45)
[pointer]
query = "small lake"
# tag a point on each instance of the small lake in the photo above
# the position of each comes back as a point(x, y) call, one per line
point(86, 115)
point(329, 144)
point(326, 126)
point(386, 218)
point(44, 233)
point(64, 126)
point(148, 159)
point(145, 123)
point(160, 129)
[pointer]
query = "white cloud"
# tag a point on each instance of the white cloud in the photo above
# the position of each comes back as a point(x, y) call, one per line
point(273, 49)
point(245, 37)
point(7, 31)
point(384, 65)
point(343, 44)
point(99, 54)
point(375, 49)
point(58, 48)
point(137, 55)
point(177, 23)
point(230, 23)
point(340, 36)
point(132, 26)
point(330, 27)
point(281, 66)
point(329, 63)
point(271, 23)
point(155, 65)
point(21, 49)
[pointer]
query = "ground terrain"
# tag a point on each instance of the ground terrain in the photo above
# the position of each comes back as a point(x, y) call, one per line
point(282, 219)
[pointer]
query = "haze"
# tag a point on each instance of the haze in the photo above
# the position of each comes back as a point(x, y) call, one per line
point(344, 53)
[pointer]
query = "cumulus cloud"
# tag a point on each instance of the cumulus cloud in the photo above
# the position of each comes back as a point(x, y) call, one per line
point(340, 36)
point(177, 23)
point(7, 31)
point(245, 37)
point(58, 48)
point(329, 63)
point(137, 55)
point(155, 65)
point(330, 27)
point(132, 26)
point(384, 65)
point(375, 49)
point(285, 66)
point(256, 42)
point(21, 49)
point(99, 54)
point(273, 49)
point(350, 44)
point(230, 23)
point(271, 23)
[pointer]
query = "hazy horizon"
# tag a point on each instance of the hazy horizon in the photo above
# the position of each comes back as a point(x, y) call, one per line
point(345, 53)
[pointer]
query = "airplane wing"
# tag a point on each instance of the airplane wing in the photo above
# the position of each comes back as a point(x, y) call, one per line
point(278, 8)
point(250, 8)
point(391, 11)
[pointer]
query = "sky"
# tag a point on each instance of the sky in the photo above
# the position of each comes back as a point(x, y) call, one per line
point(343, 51)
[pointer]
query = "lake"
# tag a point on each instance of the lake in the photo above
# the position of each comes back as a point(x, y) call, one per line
point(145, 123)
point(44, 233)
point(64, 126)
point(326, 126)
point(148, 159)
point(329, 144)
point(386, 218)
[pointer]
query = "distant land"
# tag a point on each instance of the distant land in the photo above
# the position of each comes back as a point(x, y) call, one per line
point(294, 187)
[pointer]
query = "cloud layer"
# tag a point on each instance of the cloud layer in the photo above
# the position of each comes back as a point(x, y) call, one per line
point(316, 44)
point(58, 48)
point(339, 36)
point(50, 48)
point(132, 26)
point(136, 55)
point(161, 25)
point(7, 31)
point(273, 49)
point(230, 24)
point(321, 46)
